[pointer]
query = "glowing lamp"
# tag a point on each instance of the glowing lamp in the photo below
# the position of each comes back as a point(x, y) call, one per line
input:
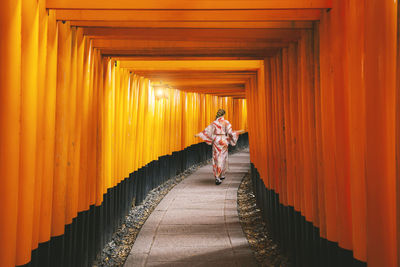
point(160, 91)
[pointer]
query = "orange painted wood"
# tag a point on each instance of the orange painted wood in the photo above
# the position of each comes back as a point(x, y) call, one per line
point(319, 213)
point(250, 35)
point(328, 129)
point(234, 86)
point(186, 57)
point(311, 126)
point(200, 65)
point(308, 120)
point(177, 54)
point(260, 83)
point(84, 192)
point(146, 45)
point(357, 123)
point(342, 136)
point(40, 141)
point(265, 133)
point(10, 89)
point(93, 127)
point(287, 127)
point(73, 104)
point(276, 15)
point(211, 91)
point(281, 130)
point(300, 116)
point(49, 130)
point(294, 122)
point(61, 133)
point(398, 135)
point(205, 83)
point(186, 4)
point(28, 131)
point(380, 95)
point(274, 175)
point(98, 117)
point(197, 24)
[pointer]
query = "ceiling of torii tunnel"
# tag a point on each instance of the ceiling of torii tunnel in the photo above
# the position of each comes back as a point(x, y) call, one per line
point(218, 40)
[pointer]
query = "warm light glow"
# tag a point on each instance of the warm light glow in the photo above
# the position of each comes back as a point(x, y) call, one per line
point(159, 93)
point(160, 90)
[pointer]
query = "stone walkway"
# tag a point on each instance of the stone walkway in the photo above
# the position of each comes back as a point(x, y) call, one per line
point(197, 223)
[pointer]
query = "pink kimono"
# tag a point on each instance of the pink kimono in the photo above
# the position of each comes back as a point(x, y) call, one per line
point(219, 134)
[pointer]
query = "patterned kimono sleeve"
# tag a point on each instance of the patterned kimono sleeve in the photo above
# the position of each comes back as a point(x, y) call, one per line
point(207, 134)
point(232, 136)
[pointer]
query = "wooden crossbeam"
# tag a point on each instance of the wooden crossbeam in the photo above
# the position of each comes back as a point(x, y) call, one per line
point(187, 48)
point(215, 90)
point(230, 94)
point(186, 57)
point(197, 24)
point(197, 75)
point(226, 93)
point(206, 83)
point(191, 15)
point(174, 54)
point(184, 65)
point(205, 87)
point(250, 35)
point(188, 4)
point(119, 44)
point(249, 52)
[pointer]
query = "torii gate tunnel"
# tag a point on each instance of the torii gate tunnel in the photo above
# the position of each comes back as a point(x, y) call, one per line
point(100, 101)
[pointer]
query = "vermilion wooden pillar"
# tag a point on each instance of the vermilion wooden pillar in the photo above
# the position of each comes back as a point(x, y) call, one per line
point(380, 92)
point(341, 126)
point(73, 105)
point(328, 128)
point(282, 141)
point(41, 89)
point(49, 130)
point(320, 217)
point(61, 135)
point(355, 94)
point(10, 89)
point(293, 81)
point(29, 96)
point(398, 134)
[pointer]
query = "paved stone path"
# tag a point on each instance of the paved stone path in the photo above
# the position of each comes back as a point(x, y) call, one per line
point(197, 223)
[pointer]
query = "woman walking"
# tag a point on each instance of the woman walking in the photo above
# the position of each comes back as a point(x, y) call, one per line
point(219, 134)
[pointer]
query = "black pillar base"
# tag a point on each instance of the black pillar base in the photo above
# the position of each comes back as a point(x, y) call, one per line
point(298, 238)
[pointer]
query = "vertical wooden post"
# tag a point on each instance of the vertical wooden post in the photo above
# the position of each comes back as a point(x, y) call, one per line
point(29, 97)
point(380, 90)
point(10, 91)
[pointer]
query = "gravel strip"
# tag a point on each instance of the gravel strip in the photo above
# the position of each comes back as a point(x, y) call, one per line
point(117, 250)
point(266, 251)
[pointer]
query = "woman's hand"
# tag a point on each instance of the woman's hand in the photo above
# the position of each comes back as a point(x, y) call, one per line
point(196, 135)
